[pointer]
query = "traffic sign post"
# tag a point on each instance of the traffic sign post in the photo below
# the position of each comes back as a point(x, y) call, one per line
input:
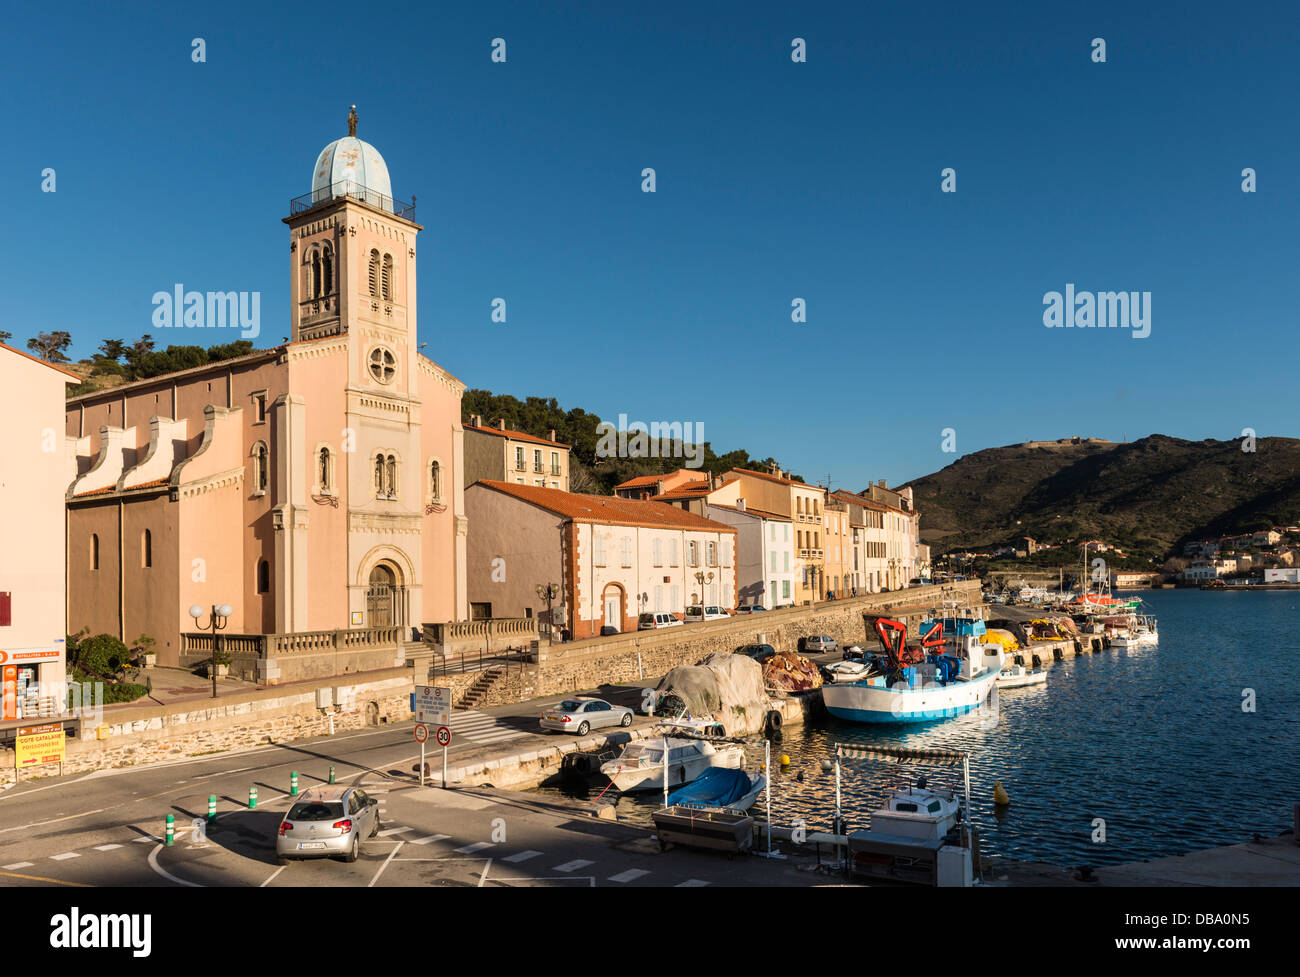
point(444, 739)
point(421, 734)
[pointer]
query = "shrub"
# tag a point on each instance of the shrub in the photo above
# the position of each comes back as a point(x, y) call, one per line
point(101, 655)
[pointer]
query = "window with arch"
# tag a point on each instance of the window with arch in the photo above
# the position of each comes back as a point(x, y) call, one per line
point(435, 481)
point(385, 476)
point(94, 551)
point(146, 549)
point(327, 270)
point(324, 471)
point(263, 577)
point(383, 364)
point(374, 272)
point(711, 553)
point(387, 277)
point(261, 467)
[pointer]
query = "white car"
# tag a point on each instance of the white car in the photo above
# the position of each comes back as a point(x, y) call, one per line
point(651, 622)
point(709, 612)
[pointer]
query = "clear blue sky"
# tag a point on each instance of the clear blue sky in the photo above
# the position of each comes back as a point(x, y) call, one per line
point(776, 180)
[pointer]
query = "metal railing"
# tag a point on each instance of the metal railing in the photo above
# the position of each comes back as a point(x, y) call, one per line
point(355, 191)
point(479, 661)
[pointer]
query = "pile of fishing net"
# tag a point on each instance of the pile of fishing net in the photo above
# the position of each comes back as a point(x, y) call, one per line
point(727, 687)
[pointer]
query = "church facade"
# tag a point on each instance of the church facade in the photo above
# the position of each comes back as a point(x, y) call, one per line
point(313, 486)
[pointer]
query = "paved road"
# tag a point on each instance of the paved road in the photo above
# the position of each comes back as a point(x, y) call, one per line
point(105, 828)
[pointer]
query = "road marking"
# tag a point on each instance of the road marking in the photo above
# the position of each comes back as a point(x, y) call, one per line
point(483, 877)
point(41, 878)
point(272, 876)
point(391, 831)
point(153, 864)
point(395, 850)
point(37, 824)
point(629, 875)
point(478, 727)
point(521, 856)
point(691, 884)
point(429, 839)
point(16, 865)
point(477, 846)
point(106, 847)
point(573, 866)
point(64, 856)
point(145, 839)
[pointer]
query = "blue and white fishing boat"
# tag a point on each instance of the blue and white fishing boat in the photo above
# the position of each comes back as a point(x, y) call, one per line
point(952, 672)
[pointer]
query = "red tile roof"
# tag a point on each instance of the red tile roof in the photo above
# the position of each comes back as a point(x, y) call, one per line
point(606, 509)
point(749, 510)
point(515, 435)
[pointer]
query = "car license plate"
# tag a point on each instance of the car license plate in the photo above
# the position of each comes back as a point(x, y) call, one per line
point(310, 844)
point(554, 719)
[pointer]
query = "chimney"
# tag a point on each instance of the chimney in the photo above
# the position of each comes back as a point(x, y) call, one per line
point(740, 504)
point(476, 420)
point(501, 423)
point(714, 482)
point(551, 435)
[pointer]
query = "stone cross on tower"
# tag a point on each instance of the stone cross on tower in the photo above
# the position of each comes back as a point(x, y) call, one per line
point(352, 121)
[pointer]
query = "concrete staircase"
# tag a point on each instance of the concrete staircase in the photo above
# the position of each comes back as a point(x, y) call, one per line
point(479, 689)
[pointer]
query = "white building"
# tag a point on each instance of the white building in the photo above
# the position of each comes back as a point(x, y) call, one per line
point(765, 568)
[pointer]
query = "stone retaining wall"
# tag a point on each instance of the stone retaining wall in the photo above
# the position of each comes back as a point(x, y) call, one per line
point(147, 734)
point(643, 655)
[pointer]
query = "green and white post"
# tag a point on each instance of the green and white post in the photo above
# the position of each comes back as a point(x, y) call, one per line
point(212, 807)
point(252, 798)
point(293, 784)
point(171, 829)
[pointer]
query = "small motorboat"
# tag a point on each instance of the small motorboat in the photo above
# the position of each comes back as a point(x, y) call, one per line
point(720, 787)
point(917, 812)
point(641, 765)
point(1017, 677)
point(848, 671)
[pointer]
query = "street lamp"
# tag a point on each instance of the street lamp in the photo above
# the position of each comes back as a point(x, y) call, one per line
point(220, 617)
point(701, 578)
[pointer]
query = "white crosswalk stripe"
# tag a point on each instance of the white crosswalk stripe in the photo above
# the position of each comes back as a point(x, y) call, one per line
point(429, 839)
point(477, 846)
point(16, 866)
point(391, 831)
point(573, 866)
point(629, 875)
point(106, 847)
point(65, 855)
point(691, 884)
point(521, 856)
point(479, 727)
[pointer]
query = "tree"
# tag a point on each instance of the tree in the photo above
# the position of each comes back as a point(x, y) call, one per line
point(50, 346)
point(112, 349)
point(5, 336)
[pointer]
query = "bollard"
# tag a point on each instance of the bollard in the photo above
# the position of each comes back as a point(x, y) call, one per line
point(252, 798)
point(171, 829)
point(331, 773)
point(212, 807)
point(293, 784)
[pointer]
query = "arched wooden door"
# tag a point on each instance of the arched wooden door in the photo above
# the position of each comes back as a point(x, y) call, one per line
point(385, 598)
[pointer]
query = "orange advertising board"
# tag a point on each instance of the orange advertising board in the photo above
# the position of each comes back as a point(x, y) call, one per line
point(39, 744)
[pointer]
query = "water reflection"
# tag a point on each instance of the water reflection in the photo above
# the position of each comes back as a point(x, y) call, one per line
point(1148, 750)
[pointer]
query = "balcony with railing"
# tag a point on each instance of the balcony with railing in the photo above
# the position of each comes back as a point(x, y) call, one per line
point(354, 191)
point(811, 554)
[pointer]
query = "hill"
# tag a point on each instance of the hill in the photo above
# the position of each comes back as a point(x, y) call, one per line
point(1147, 496)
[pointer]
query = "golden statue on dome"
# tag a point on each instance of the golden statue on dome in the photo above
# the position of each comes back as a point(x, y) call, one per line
point(352, 121)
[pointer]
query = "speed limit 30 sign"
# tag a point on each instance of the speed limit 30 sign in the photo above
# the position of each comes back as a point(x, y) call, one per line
point(443, 735)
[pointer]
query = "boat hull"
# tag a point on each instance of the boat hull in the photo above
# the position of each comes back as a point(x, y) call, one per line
point(652, 778)
point(865, 703)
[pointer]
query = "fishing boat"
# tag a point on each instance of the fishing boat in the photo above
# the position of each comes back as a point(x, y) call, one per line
point(945, 677)
point(641, 766)
point(1015, 676)
point(1141, 631)
point(718, 788)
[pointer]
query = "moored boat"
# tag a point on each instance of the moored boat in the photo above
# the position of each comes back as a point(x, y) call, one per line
point(944, 678)
point(641, 765)
point(720, 787)
point(1017, 676)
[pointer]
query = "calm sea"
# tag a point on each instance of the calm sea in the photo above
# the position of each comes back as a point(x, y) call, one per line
point(1155, 743)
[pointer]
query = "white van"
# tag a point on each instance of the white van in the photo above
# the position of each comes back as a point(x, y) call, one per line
point(709, 612)
point(651, 622)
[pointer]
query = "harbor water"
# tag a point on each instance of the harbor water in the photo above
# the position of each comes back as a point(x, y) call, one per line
point(1121, 756)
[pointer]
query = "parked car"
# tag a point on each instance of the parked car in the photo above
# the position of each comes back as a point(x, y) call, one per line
point(650, 622)
point(817, 643)
point(327, 821)
point(583, 715)
point(709, 612)
point(750, 609)
point(760, 653)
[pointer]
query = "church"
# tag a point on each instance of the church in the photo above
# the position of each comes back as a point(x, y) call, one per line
point(314, 486)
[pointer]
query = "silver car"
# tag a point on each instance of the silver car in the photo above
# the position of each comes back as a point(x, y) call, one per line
point(327, 821)
point(816, 643)
point(582, 715)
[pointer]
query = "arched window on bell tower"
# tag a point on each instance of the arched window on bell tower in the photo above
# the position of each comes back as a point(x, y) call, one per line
point(374, 272)
point(388, 277)
point(327, 270)
point(313, 276)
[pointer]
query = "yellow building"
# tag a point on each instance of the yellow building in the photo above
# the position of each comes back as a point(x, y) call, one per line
point(499, 454)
